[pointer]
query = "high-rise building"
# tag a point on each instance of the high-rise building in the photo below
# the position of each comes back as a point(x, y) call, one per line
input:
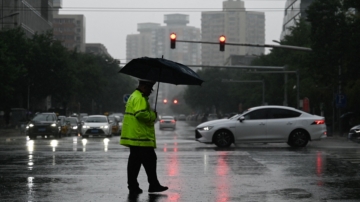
point(69, 29)
point(237, 25)
point(33, 16)
point(142, 44)
point(153, 40)
point(294, 10)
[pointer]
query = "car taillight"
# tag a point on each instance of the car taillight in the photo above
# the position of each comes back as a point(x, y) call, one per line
point(172, 121)
point(161, 121)
point(318, 122)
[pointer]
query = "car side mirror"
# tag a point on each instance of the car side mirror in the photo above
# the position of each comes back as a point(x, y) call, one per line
point(241, 119)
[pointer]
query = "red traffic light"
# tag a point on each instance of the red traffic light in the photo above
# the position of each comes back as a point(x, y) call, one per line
point(165, 101)
point(175, 101)
point(222, 40)
point(172, 40)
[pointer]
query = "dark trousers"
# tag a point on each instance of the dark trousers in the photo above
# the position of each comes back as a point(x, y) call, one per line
point(145, 156)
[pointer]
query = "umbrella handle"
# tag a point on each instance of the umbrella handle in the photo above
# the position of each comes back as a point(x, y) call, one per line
point(157, 92)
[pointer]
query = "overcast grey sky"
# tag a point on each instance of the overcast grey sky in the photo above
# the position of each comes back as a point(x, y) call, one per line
point(109, 21)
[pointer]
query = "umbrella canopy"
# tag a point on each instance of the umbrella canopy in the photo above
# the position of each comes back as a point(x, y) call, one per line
point(161, 70)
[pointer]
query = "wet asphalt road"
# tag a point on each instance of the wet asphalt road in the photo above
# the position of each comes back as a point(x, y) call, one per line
point(72, 169)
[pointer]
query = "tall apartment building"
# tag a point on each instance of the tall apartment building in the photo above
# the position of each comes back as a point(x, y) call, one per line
point(294, 10)
point(142, 44)
point(70, 29)
point(237, 25)
point(154, 41)
point(33, 16)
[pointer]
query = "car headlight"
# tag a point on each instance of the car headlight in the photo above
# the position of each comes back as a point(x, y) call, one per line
point(53, 125)
point(104, 126)
point(31, 125)
point(206, 128)
point(85, 126)
point(74, 127)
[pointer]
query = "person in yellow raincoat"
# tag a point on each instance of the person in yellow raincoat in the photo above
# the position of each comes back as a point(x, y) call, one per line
point(138, 133)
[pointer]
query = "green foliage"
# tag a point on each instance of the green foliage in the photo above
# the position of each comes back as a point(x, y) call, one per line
point(40, 66)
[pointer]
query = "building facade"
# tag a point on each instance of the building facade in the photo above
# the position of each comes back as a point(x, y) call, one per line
point(153, 40)
point(33, 16)
point(237, 25)
point(294, 10)
point(69, 29)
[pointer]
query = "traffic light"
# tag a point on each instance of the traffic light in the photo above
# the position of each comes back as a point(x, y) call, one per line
point(222, 40)
point(165, 101)
point(172, 40)
point(175, 101)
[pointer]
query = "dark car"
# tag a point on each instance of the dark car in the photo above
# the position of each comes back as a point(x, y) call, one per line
point(74, 125)
point(44, 124)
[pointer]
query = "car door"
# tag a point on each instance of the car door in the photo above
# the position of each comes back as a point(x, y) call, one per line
point(280, 124)
point(252, 128)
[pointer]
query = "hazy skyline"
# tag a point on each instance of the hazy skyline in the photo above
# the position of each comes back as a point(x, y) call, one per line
point(109, 21)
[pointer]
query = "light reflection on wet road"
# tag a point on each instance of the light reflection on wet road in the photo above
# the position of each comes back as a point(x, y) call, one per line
point(94, 169)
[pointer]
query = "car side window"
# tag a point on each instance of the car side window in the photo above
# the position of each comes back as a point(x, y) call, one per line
point(283, 113)
point(257, 114)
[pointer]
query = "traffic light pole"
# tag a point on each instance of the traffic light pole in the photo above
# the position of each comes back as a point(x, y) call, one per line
point(253, 45)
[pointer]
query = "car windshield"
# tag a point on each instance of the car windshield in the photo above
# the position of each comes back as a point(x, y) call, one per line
point(96, 120)
point(167, 117)
point(44, 117)
point(111, 118)
point(72, 120)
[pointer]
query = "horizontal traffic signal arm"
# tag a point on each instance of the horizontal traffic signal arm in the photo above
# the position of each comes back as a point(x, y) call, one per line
point(253, 45)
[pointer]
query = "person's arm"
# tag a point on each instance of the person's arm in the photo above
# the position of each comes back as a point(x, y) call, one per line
point(143, 113)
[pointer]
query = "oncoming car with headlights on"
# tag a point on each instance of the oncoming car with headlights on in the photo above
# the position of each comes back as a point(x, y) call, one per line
point(96, 125)
point(264, 124)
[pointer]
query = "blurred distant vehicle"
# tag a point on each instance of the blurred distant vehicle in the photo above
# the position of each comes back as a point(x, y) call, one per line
point(167, 122)
point(121, 115)
point(44, 124)
point(182, 117)
point(115, 120)
point(74, 125)
point(82, 115)
point(354, 134)
point(63, 127)
point(264, 124)
point(96, 125)
point(212, 117)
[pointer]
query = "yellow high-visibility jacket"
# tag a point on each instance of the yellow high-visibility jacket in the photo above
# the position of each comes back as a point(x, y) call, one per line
point(138, 124)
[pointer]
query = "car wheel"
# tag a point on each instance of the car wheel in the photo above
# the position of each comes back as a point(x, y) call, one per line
point(223, 138)
point(298, 138)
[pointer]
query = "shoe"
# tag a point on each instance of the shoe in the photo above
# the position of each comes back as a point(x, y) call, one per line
point(135, 191)
point(158, 188)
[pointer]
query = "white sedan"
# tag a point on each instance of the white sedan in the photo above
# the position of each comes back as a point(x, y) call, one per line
point(96, 125)
point(264, 124)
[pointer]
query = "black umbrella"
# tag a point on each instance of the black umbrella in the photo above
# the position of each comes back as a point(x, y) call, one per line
point(161, 70)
